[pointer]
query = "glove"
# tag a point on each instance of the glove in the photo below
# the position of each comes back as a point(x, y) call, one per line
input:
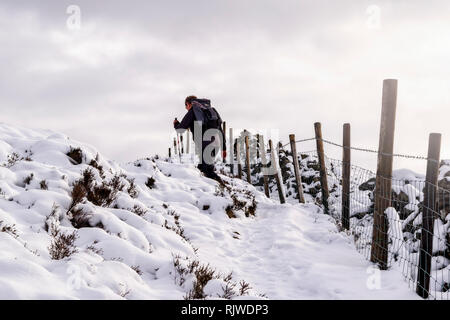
point(224, 154)
point(175, 122)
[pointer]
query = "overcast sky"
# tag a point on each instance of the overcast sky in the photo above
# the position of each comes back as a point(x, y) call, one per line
point(118, 80)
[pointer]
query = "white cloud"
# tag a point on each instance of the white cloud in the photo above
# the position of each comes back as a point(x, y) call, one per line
point(123, 76)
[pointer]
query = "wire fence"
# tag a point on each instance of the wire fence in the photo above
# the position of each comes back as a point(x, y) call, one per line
point(403, 222)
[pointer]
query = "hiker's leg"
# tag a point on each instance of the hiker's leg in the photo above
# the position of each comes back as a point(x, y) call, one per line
point(210, 170)
point(202, 168)
point(206, 169)
point(207, 164)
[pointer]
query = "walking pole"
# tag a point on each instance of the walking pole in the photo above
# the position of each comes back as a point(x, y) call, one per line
point(179, 150)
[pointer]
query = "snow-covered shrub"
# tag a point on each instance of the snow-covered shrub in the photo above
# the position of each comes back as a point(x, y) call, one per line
point(79, 218)
point(140, 211)
point(28, 179)
point(95, 164)
point(203, 274)
point(206, 282)
point(177, 226)
point(150, 183)
point(63, 245)
point(12, 160)
point(132, 189)
point(75, 155)
point(43, 185)
point(242, 200)
point(9, 229)
point(100, 194)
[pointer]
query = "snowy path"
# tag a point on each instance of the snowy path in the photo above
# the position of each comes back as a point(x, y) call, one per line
point(293, 252)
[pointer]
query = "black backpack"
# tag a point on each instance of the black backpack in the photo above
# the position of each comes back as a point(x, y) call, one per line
point(208, 115)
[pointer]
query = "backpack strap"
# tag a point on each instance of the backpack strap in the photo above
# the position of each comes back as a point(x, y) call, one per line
point(198, 112)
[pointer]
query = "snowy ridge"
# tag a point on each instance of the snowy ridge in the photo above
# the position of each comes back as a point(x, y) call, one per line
point(74, 225)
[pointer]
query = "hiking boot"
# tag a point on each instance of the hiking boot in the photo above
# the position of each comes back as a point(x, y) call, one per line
point(216, 177)
point(208, 172)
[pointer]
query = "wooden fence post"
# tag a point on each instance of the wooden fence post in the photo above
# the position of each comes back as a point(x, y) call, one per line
point(383, 185)
point(238, 158)
point(346, 168)
point(277, 174)
point(231, 151)
point(298, 177)
point(264, 165)
point(247, 160)
point(323, 169)
point(428, 215)
point(257, 147)
point(224, 159)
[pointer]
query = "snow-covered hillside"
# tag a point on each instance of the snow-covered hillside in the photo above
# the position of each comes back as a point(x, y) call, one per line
point(74, 225)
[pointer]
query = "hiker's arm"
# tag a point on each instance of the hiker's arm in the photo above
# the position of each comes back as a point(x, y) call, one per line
point(186, 122)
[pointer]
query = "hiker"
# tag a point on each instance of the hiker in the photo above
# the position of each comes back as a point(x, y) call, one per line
point(201, 113)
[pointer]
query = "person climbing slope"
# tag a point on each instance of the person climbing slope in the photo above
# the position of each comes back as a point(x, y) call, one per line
point(205, 124)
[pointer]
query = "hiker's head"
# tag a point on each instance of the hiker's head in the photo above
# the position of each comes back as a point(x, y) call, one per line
point(188, 102)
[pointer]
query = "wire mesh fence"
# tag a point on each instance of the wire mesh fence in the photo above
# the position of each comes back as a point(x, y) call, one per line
point(401, 239)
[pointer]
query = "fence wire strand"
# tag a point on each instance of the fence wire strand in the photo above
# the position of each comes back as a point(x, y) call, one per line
point(398, 155)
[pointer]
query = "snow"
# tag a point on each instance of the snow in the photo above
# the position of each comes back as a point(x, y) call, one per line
point(407, 174)
point(289, 251)
point(297, 253)
point(444, 169)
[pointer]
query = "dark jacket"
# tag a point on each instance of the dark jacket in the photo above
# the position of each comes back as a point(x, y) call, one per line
point(188, 124)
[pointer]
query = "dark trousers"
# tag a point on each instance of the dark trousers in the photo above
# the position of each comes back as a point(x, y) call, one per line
point(207, 169)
